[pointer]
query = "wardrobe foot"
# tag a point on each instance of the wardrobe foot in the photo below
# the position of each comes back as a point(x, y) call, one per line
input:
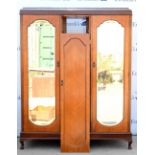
point(129, 145)
point(21, 145)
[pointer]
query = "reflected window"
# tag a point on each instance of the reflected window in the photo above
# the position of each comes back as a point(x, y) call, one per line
point(76, 25)
point(41, 72)
point(110, 60)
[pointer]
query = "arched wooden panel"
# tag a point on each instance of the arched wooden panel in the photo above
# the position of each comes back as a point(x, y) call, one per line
point(75, 108)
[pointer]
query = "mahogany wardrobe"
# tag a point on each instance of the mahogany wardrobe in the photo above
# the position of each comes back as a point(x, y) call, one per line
point(75, 75)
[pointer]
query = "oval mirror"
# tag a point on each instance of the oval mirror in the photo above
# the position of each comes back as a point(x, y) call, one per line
point(110, 61)
point(41, 72)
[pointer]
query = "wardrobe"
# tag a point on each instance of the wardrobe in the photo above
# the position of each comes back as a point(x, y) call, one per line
point(75, 75)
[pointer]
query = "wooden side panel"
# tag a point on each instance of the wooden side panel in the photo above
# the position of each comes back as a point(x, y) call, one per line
point(75, 93)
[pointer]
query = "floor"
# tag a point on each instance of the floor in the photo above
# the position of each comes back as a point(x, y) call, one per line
point(107, 147)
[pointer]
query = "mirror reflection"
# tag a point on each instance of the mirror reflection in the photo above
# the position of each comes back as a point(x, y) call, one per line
point(41, 72)
point(110, 60)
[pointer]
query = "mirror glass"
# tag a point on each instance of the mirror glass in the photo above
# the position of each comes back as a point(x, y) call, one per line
point(76, 25)
point(41, 72)
point(110, 61)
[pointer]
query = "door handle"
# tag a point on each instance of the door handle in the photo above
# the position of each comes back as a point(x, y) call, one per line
point(93, 64)
point(61, 82)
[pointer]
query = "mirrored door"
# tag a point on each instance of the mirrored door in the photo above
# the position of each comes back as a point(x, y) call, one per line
point(110, 85)
point(40, 80)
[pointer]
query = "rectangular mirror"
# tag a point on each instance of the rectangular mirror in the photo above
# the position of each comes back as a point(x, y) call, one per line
point(75, 25)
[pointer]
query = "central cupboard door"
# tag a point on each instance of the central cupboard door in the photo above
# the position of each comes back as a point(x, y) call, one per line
point(75, 102)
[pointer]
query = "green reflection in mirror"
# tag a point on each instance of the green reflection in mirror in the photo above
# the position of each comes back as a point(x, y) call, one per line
point(41, 72)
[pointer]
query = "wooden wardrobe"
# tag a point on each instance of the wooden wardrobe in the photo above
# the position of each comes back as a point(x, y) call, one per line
point(75, 75)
